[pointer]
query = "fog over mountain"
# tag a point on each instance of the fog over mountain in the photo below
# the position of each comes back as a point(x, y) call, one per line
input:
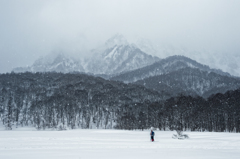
point(117, 55)
point(206, 31)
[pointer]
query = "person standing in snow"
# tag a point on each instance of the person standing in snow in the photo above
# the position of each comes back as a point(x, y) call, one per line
point(152, 135)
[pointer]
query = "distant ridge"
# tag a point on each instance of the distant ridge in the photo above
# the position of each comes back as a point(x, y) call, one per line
point(164, 66)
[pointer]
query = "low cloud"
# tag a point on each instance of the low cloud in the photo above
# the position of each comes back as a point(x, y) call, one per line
point(30, 29)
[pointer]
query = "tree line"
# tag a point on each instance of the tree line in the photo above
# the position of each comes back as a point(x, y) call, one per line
point(60, 101)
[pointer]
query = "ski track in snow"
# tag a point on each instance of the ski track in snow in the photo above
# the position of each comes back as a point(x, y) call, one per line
point(81, 144)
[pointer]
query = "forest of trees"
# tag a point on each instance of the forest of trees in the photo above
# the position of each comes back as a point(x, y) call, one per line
point(59, 101)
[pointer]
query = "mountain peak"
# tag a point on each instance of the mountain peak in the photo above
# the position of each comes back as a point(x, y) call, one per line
point(117, 39)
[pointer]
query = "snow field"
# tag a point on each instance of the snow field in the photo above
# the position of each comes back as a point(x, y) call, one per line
point(117, 144)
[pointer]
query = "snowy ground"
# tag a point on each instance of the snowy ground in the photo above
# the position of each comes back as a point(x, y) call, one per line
point(116, 144)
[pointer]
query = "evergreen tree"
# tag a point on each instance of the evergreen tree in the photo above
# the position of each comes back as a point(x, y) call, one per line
point(8, 114)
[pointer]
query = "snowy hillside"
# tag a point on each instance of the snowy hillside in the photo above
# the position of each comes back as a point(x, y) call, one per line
point(191, 81)
point(167, 65)
point(117, 144)
point(120, 58)
point(54, 62)
point(117, 56)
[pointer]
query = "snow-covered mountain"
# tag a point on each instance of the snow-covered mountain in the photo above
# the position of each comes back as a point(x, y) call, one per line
point(116, 56)
point(54, 62)
point(117, 39)
point(119, 59)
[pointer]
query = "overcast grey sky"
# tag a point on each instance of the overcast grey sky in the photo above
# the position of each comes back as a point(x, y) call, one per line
point(33, 28)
